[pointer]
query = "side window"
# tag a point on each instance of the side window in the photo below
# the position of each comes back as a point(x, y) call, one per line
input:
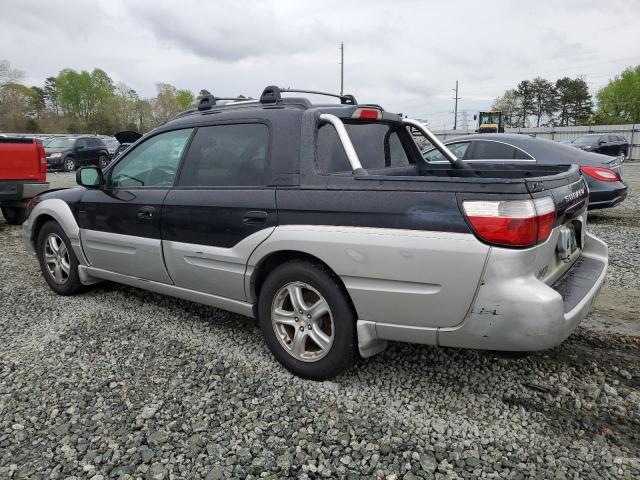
point(378, 145)
point(227, 155)
point(153, 163)
point(493, 151)
point(93, 142)
point(81, 142)
point(459, 149)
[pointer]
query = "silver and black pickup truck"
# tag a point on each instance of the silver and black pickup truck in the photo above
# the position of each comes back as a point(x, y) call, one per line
point(325, 223)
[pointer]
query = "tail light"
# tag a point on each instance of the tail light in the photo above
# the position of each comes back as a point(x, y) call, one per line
point(512, 223)
point(42, 158)
point(602, 174)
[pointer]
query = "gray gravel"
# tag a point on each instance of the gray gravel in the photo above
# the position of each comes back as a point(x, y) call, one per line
point(121, 383)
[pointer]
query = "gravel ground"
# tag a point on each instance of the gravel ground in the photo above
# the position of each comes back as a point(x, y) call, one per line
point(121, 383)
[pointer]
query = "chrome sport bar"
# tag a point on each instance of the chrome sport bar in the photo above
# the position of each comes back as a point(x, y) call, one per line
point(356, 166)
point(441, 147)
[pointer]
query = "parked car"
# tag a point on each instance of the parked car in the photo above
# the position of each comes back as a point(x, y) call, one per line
point(603, 173)
point(126, 139)
point(324, 222)
point(68, 153)
point(607, 144)
point(112, 145)
point(23, 175)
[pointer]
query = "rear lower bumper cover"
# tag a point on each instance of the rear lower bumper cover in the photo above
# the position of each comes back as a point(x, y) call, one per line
point(525, 314)
point(18, 191)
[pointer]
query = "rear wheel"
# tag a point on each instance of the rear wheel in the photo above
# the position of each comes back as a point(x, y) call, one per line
point(622, 155)
point(69, 164)
point(58, 262)
point(103, 161)
point(307, 321)
point(14, 215)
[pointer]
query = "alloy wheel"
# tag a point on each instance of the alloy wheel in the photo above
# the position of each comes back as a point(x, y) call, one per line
point(302, 321)
point(56, 258)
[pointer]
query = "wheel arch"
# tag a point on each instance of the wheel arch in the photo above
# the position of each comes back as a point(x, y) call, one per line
point(272, 260)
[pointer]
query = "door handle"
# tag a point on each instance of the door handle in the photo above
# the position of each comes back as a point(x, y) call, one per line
point(146, 213)
point(257, 217)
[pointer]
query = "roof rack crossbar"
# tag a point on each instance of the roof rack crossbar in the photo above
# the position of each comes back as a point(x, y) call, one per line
point(206, 102)
point(345, 99)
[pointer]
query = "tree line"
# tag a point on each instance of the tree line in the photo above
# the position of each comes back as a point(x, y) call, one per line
point(81, 101)
point(567, 101)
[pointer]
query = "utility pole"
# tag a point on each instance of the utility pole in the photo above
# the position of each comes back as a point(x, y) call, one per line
point(455, 111)
point(341, 68)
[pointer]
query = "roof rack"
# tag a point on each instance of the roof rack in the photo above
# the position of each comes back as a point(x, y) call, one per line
point(272, 94)
point(207, 102)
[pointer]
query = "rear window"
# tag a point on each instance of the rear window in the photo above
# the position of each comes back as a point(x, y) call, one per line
point(378, 145)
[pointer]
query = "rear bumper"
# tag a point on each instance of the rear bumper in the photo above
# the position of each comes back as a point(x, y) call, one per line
point(525, 314)
point(606, 195)
point(19, 191)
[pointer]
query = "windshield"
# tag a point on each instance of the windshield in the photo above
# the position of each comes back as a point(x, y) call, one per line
point(60, 143)
point(587, 139)
point(489, 117)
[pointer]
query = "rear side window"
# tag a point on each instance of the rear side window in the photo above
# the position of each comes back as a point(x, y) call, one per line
point(227, 155)
point(496, 151)
point(94, 142)
point(459, 149)
point(378, 145)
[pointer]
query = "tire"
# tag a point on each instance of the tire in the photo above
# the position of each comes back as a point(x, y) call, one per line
point(103, 161)
point(59, 265)
point(14, 215)
point(623, 156)
point(297, 341)
point(68, 164)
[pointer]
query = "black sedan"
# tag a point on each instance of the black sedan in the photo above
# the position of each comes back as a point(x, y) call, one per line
point(603, 173)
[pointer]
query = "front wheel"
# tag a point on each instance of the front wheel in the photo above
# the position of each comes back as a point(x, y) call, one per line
point(14, 215)
point(58, 262)
point(307, 320)
point(69, 164)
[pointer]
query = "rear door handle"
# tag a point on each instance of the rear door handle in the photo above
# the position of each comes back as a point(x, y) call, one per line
point(257, 217)
point(146, 212)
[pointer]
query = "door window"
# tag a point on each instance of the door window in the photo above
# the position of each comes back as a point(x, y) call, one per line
point(153, 163)
point(458, 149)
point(81, 142)
point(227, 155)
point(494, 151)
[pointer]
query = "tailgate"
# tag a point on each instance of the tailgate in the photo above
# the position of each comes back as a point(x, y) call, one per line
point(563, 247)
point(19, 160)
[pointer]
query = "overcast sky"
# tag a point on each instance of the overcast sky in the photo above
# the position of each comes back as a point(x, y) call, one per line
point(403, 54)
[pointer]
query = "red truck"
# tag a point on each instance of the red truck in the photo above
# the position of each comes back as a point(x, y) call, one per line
point(23, 175)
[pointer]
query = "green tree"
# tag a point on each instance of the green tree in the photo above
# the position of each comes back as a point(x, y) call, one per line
point(185, 99)
point(619, 101)
point(543, 93)
point(525, 94)
point(165, 105)
point(509, 104)
point(51, 94)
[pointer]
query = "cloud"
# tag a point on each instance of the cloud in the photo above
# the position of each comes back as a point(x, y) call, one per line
point(405, 55)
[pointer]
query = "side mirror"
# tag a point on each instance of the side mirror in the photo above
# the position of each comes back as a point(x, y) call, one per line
point(89, 177)
point(79, 147)
point(601, 142)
